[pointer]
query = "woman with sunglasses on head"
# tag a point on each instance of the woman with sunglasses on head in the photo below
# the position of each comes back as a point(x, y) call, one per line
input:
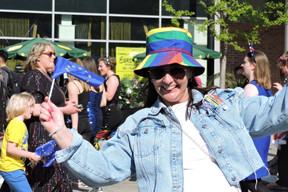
point(112, 114)
point(37, 81)
point(257, 69)
point(186, 138)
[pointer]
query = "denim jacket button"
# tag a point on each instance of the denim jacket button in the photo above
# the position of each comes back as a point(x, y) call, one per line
point(233, 178)
point(220, 150)
point(225, 107)
point(204, 126)
point(194, 110)
point(146, 131)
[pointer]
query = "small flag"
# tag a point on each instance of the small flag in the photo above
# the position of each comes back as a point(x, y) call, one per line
point(65, 66)
point(47, 150)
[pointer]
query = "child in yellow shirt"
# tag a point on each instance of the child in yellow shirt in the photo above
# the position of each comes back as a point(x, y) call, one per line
point(14, 149)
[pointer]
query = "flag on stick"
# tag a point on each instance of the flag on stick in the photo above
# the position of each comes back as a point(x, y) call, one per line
point(65, 66)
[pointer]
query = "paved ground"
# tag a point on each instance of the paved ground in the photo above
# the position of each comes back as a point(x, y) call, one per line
point(131, 186)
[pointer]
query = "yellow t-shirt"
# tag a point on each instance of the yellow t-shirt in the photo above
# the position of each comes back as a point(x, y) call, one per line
point(16, 132)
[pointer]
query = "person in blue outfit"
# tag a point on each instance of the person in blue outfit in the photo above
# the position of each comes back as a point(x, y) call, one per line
point(96, 101)
point(257, 69)
point(186, 138)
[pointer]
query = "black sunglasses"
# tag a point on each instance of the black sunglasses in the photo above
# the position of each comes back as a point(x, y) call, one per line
point(175, 72)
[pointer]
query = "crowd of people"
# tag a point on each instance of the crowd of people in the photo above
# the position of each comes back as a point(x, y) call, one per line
point(183, 131)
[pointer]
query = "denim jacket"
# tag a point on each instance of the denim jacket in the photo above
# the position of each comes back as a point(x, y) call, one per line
point(149, 142)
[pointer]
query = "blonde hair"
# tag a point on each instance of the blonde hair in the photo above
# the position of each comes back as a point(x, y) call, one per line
point(85, 86)
point(18, 105)
point(262, 70)
point(34, 53)
point(109, 62)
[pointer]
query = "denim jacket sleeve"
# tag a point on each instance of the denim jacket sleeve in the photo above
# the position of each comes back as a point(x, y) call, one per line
point(265, 115)
point(90, 165)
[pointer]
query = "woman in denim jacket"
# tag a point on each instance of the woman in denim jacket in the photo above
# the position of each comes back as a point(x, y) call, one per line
point(185, 139)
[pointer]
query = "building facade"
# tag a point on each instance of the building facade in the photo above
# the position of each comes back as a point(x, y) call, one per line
point(101, 26)
point(96, 26)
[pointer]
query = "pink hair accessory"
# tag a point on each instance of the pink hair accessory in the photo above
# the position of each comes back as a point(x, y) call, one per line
point(282, 59)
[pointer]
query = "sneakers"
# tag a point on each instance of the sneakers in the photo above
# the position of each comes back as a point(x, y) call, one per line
point(275, 186)
point(82, 185)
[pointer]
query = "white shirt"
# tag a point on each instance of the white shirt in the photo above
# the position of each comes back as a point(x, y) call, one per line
point(201, 171)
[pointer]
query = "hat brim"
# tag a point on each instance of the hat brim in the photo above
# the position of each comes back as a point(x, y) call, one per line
point(168, 58)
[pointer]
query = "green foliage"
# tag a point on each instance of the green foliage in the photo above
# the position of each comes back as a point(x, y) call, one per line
point(223, 12)
point(231, 80)
point(176, 14)
point(234, 11)
point(131, 94)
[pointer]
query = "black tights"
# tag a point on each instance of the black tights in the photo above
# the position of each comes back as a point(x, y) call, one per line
point(251, 184)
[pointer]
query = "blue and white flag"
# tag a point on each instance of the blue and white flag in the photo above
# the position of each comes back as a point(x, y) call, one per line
point(65, 66)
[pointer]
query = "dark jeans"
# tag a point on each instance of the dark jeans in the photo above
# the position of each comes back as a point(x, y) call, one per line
point(282, 163)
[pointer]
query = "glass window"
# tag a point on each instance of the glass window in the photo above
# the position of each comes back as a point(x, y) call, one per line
point(190, 5)
point(131, 28)
point(86, 27)
point(90, 6)
point(167, 23)
point(35, 5)
point(149, 7)
point(25, 25)
point(94, 49)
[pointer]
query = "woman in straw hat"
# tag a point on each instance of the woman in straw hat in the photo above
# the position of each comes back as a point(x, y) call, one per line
point(186, 138)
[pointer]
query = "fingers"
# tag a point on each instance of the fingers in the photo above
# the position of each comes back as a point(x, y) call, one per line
point(277, 86)
point(45, 114)
point(46, 110)
point(51, 105)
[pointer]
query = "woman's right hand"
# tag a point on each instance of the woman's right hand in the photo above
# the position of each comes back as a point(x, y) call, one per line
point(278, 86)
point(52, 119)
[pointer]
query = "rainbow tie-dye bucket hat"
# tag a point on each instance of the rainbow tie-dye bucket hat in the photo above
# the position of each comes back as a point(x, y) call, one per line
point(168, 45)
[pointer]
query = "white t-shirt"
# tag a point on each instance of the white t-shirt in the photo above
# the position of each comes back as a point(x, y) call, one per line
point(201, 171)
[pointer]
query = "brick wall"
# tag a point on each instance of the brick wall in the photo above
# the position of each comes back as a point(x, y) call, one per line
point(272, 44)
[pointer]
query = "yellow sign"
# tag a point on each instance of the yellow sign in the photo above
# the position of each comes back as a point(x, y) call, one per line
point(125, 64)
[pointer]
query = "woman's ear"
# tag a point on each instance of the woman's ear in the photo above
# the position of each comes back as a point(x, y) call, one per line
point(253, 66)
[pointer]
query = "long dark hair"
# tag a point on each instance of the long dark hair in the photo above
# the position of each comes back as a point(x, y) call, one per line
point(151, 95)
